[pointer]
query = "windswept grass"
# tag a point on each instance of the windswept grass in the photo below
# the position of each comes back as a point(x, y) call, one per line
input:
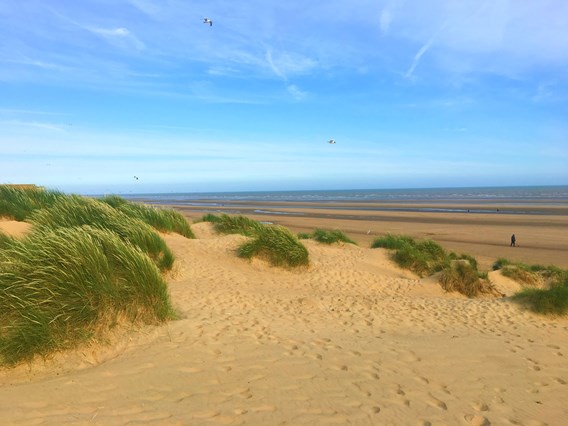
point(423, 257)
point(392, 241)
point(243, 225)
point(552, 301)
point(84, 267)
point(273, 243)
point(277, 245)
point(209, 217)
point(529, 275)
point(327, 237)
point(19, 204)
point(162, 219)
point(5, 240)
point(552, 296)
point(463, 277)
point(59, 286)
point(73, 211)
point(426, 257)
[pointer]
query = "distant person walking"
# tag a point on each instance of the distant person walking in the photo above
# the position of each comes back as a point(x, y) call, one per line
point(513, 240)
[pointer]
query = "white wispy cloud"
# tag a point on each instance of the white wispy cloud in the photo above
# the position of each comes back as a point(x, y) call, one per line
point(16, 124)
point(298, 94)
point(120, 37)
point(418, 56)
point(385, 20)
point(273, 66)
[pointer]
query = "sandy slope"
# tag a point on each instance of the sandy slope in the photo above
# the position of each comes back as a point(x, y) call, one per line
point(351, 340)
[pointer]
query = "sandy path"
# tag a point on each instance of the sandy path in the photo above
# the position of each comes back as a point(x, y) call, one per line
point(351, 340)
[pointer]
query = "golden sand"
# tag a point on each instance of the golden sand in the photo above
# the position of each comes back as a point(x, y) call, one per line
point(352, 339)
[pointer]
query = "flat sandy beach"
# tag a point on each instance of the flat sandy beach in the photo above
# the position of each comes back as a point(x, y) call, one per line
point(352, 339)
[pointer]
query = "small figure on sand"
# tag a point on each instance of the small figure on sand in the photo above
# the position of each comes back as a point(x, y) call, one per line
point(513, 240)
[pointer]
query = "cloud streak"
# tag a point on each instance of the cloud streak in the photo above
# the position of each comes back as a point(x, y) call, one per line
point(120, 37)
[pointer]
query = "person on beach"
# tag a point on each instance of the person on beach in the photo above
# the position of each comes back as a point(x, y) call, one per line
point(513, 240)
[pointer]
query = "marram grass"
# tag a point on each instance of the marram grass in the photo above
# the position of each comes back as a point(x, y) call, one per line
point(552, 299)
point(273, 243)
point(426, 257)
point(277, 245)
point(326, 236)
point(84, 266)
point(243, 225)
point(463, 277)
point(19, 204)
point(60, 286)
point(73, 210)
point(162, 219)
point(392, 241)
point(529, 275)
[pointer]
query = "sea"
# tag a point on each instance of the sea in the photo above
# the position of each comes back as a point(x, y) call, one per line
point(526, 199)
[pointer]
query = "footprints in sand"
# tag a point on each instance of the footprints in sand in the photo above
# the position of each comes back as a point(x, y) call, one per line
point(476, 420)
point(310, 348)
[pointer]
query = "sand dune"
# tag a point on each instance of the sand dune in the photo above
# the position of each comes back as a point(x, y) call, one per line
point(352, 339)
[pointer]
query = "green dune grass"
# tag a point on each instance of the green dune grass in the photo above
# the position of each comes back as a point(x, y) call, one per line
point(463, 277)
point(73, 210)
point(162, 219)
point(275, 244)
point(426, 257)
point(551, 299)
point(85, 266)
point(327, 236)
point(60, 286)
point(19, 204)
point(423, 257)
point(242, 225)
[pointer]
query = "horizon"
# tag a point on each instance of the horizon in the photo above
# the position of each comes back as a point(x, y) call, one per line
point(141, 95)
point(530, 187)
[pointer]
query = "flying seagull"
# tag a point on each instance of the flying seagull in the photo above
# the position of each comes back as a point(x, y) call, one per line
point(331, 141)
point(136, 177)
point(207, 21)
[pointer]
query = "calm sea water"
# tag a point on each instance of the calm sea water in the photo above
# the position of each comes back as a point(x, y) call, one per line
point(551, 195)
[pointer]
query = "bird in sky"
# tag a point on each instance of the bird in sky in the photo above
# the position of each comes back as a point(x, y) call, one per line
point(207, 21)
point(331, 141)
point(136, 177)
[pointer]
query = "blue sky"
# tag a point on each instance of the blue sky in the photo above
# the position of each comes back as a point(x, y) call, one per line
point(435, 93)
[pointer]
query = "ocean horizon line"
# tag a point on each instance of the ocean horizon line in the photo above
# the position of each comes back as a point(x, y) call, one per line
point(418, 189)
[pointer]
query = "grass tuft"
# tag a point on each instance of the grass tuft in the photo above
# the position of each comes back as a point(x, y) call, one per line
point(552, 296)
point(273, 243)
point(426, 257)
point(277, 245)
point(162, 219)
point(238, 225)
point(552, 301)
point(422, 257)
point(73, 211)
point(463, 277)
point(529, 275)
point(60, 286)
point(329, 237)
point(19, 204)
point(209, 217)
point(392, 242)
